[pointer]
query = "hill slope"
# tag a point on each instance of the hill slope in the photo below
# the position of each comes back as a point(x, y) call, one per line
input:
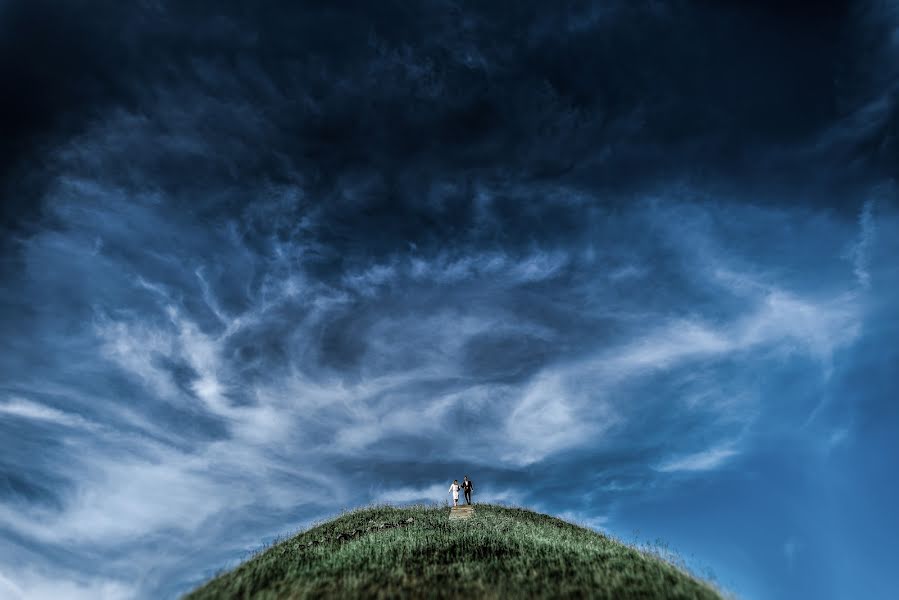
point(418, 552)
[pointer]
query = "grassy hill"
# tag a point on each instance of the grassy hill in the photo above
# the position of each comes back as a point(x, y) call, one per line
point(418, 552)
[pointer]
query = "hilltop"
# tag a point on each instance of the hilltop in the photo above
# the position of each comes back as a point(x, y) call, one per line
point(419, 552)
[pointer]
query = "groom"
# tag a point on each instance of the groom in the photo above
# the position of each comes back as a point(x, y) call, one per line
point(467, 486)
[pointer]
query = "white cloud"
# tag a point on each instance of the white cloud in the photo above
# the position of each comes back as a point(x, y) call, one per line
point(790, 548)
point(860, 251)
point(838, 436)
point(628, 272)
point(19, 407)
point(135, 348)
point(539, 266)
point(705, 460)
point(30, 585)
point(550, 416)
point(817, 328)
point(202, 353)
point(563, 406)
point(484, 493)
point(436, 492)
point(121, 497)
point(779, 320)
point(445, 268)
point(209, 298)
point(367, 281)
point(665, 347)
point(9, 588)
point(597, 523)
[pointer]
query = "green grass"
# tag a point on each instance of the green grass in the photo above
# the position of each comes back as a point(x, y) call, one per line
point(499, 553)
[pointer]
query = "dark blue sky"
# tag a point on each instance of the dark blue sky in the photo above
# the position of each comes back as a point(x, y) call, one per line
point(629, 263)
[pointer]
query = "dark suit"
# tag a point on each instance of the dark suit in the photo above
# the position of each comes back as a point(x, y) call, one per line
point(467, 486)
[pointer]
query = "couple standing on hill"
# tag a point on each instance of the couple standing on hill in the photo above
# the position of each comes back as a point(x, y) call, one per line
point(467, 486)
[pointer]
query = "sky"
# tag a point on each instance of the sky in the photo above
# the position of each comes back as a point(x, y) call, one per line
point(628, 263)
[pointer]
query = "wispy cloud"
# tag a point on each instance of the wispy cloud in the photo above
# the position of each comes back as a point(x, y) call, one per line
point(447, 268)
point(553, 414)
point(596, 522)
point(25, 409)
point(436, 492)
point(860, 251)
point(705, 460)
point(32, 585)
point(209, 404)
